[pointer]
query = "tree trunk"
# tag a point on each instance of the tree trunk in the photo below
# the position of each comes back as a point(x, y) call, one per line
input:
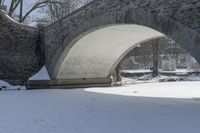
point(155, 57)
point(21, 11)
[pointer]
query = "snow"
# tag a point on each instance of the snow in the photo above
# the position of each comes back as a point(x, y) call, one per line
point(41, 75)
point(193, 77)
point(136, 71)
point(177, 71)
point(149, 71)
point(146, 77)
point(144, 107)
point(181, 75)
point(5, 86)
point(141, 108)
point(149, 78)
point(186, 90)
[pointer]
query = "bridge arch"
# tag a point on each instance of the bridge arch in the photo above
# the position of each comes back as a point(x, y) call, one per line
point(97, 53)
point(84, 21)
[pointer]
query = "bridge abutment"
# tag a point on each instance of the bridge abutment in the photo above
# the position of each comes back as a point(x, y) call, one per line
point(20, 47)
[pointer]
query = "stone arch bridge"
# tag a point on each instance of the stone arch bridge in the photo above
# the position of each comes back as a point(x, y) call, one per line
point(89, 43)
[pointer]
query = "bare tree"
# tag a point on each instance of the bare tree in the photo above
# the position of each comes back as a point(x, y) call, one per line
point(2, 2)
point(21, 11)
point(38, 5)
point(56, 9)
point(13, 6)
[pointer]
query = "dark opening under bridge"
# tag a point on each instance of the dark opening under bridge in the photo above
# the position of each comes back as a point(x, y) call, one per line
point(89, 43)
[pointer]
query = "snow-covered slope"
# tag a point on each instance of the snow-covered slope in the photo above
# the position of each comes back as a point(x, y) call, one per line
point(41, 75)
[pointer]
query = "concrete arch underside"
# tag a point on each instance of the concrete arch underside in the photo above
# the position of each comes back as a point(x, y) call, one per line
point(95, 54)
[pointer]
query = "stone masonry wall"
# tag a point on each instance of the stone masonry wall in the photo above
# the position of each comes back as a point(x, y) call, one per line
point(20, 51)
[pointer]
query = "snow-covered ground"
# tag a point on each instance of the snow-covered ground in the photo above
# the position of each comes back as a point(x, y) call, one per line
point(185, 90)
point(170, 107)
point(141, 108)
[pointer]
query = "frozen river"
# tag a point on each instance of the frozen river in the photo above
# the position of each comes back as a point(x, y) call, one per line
point(141, 108)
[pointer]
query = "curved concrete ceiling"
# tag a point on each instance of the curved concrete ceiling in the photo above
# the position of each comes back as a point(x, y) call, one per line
point(96, 54)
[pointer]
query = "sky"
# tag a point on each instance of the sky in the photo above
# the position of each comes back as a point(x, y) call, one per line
point(27, 5)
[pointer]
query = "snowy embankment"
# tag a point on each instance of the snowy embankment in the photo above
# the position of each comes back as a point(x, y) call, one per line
point(5, 86)
point(103, 110)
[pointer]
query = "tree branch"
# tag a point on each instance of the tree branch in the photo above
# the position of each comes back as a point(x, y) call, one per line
point(38, 5)
point(14, 4)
